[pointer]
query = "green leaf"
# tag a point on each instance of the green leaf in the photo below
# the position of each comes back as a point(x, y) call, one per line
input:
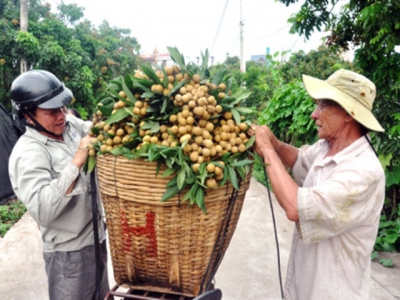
point(374, 255)
point(250, 142)
point(203, 172)
point(143, 150)
point(155, 128)
point(226, 107)
point(386, 247)
point(117, 116)
point(106, 100)
point(148, 70)
point(178, 86)
point(200, 200)
point(393, 177)
point(240, 95)
point(170, 162)
point(115, 94)
point(187, 195)
point(95, 130)
point(148, 125)
point(217, 79)
point(129, 155)
point(127, 91)
point(386, 263)
point(142, 83)
point(233, 178)
point(180, 179)
point(171, 183)
point(392, 238)
point(91, 163)
point(242, 163)
point(164, 105)
point(228, 100)
point(194, 189)
point(148, 95)
point(168, 172)
point(118, 151)
point(177, 57)
point(165, 79)
point(244, 110)
point(170, 192)
point(106, 110)
point(204, 64)
point(236, 115)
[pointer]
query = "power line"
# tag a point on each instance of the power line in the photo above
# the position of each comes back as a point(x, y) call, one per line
point(219, 26)
point(269, 34)
point(232, 46)
point(257, 12)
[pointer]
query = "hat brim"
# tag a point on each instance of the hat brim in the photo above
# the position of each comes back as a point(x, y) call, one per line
point(319, 89)
point(60, 100)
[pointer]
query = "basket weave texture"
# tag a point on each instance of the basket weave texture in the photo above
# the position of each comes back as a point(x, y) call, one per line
point(164, 246)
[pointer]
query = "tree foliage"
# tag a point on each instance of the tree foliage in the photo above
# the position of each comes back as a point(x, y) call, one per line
point(264, 79)
point(78, 53)
point(293, 126)
point(320, 63)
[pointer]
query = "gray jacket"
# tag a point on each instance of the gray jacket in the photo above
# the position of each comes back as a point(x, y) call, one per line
point(41, 171)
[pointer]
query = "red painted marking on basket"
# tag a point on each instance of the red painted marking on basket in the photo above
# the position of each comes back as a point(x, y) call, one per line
point(148, 230)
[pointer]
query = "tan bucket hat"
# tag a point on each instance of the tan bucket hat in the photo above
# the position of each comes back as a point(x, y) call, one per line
point(352, 91)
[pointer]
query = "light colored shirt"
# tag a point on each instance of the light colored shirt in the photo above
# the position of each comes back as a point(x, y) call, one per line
point(339, 203)
point(41, 171)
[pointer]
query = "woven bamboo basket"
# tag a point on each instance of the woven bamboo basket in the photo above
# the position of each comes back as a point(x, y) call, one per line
point(164, 246)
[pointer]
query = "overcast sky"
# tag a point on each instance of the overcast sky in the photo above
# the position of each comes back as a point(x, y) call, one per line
point(196, 25)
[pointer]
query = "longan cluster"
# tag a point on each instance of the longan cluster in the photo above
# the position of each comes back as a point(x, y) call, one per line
point(200, 123)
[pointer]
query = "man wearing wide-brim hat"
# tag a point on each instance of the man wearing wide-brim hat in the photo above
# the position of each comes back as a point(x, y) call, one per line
point(337, 191)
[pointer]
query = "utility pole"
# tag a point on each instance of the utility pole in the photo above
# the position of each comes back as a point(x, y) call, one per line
point(242, 59)
point(23, 27)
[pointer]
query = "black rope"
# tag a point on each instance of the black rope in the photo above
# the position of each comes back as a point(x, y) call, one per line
point(221, 253)
point(219, 242)
point(95, 234)
point(371, 145)
point(276, 235)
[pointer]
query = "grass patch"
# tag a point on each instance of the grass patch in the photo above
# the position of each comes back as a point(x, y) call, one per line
point(10, 213)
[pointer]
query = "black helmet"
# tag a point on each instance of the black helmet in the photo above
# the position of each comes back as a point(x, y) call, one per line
point(38, 88)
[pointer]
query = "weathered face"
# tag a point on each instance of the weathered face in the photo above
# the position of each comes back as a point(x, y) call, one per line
point(329, 118)
point(53, 120)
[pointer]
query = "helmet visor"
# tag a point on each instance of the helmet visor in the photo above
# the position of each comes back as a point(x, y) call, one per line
point(59, 100)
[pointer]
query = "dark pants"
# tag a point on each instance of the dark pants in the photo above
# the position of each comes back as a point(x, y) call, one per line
point(72, 275)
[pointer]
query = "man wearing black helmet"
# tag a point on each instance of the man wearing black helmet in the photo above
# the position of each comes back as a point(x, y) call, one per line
point(45, 169)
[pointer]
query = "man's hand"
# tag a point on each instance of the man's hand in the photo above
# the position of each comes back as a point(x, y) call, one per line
point(262, 142)
point(85, 142)
point(82, 151)
point(252, 130)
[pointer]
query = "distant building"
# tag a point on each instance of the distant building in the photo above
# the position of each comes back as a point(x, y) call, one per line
point(260, 59)
point(157, 58)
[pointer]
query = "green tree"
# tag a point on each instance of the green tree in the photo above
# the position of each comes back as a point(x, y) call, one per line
point(79, 54)
point(319, 63)
point(231, 66)
point(288, 114)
